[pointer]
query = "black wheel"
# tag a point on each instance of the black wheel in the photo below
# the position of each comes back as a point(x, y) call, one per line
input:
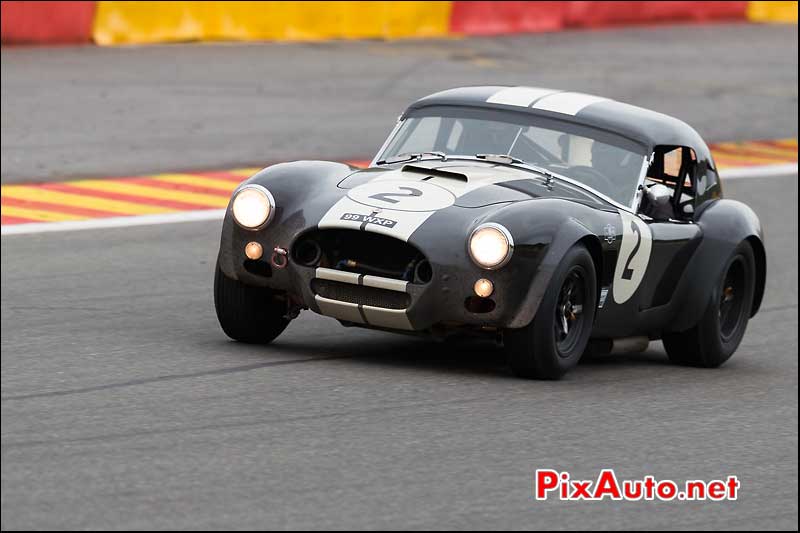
point(714, 339)
point(556, 338)
point(248, 314)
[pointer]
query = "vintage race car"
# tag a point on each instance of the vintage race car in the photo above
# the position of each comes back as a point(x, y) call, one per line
point(555, 222)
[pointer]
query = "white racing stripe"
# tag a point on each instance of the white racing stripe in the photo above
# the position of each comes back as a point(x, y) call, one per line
point(519, 96)
point(405, 222)
point(567, 103)
point(405, 200)
point(397, 202)
point(479, 177)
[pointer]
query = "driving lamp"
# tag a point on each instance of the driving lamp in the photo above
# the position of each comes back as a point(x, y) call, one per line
point(483, 288)
point(252, 206)
point(253, 251)
point(490, 246)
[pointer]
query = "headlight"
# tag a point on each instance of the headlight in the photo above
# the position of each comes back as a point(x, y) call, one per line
point(252, 206)
point(490, 246)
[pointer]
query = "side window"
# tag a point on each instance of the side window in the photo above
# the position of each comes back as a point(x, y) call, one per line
point(670, 184)
point(705, 182)
point(672, 163)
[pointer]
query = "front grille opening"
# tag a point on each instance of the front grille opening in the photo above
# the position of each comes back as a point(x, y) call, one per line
point(423, 272)
point(362, 252)
point(360, 294)
point(308, 252)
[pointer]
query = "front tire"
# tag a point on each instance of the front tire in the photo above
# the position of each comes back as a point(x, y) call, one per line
point(557, 337)
point(248, 314)
point(718, 334)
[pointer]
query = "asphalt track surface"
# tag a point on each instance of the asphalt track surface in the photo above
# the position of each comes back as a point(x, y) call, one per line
point(124, 406)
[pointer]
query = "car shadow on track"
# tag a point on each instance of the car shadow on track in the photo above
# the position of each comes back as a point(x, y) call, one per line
point(470, 357)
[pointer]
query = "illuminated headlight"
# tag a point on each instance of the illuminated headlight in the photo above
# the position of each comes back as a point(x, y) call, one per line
point(490, 246)
point(252, 206)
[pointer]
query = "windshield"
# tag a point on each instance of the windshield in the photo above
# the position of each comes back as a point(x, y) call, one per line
point(605, 166)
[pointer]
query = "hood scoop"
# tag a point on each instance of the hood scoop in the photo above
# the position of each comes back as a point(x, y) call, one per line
point(436, 173)
point(474, 185)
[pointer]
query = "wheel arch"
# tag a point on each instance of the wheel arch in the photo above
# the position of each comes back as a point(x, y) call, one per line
point(559, 235)
point(760, 254)
point(725, 225)
point(592, 243)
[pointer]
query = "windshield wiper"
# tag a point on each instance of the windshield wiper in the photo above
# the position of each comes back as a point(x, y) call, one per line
point(410, 156)
point(501, 158)
point(511, 160)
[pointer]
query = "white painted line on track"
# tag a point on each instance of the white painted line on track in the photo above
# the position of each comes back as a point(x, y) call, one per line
point(767, 171)
point(113, 222)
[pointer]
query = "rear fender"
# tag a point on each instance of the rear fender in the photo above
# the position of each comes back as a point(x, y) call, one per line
point(725, 225)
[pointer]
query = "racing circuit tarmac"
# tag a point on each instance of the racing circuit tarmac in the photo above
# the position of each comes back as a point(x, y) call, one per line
point(124, 406)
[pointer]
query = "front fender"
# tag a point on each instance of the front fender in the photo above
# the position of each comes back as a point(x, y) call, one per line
point(554, 226)
point(303, 191)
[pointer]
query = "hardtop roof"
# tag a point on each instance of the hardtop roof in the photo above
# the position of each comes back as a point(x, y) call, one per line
point(645, 126)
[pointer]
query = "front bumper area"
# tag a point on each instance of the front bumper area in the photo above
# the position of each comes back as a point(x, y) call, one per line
point(345, 298)
point(446, 302)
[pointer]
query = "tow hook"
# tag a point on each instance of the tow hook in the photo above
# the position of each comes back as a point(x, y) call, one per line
point(280, 257)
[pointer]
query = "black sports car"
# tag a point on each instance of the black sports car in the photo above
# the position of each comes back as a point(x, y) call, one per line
point(556, 222)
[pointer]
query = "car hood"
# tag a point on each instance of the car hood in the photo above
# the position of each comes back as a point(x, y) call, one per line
point(473, 183)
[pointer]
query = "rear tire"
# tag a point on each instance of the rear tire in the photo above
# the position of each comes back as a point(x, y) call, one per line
point(720, 330)
point(557, 337)
point(248, 314)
